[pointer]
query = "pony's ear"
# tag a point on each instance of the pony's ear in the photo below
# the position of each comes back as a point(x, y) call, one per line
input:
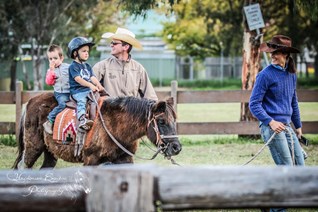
point(170, 101)
point(160, 107)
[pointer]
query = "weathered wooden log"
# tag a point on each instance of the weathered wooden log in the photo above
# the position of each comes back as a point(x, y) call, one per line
point(43, 190)
point(121, 188)
point(139, 187)
point(237, 187)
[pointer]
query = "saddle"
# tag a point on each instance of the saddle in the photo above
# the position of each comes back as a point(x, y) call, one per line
point(91, 106)
point(65, 129)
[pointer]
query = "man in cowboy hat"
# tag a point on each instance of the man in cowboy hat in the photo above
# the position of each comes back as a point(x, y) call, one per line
point(121, 75)
point(274, 103)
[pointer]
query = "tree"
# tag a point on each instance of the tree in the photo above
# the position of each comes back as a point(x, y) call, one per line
point(202, 27)
point(48, 24)
point(295, 18)
point(12, 32)
point(309, 18)
point(41, 23)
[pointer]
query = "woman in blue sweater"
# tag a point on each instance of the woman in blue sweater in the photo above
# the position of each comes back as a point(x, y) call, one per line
point(274, 102)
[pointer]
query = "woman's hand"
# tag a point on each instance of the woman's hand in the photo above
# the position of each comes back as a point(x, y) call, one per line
point(299, 132)
point(277, 126)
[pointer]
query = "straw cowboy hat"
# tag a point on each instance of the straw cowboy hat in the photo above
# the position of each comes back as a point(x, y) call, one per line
point(279, 43)
point(124, 35)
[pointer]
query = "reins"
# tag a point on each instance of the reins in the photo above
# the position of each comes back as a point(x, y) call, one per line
point(268, 142)
point(158, 135)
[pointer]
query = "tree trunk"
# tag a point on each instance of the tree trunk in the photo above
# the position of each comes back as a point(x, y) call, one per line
point(37, 76)
point(250, 66)
point(13, 68)
point(316, 66)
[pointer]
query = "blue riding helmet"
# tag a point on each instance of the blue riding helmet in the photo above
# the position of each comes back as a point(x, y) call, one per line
point(76, 43)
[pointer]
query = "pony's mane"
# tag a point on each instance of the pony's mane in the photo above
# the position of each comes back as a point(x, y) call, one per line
point(137, 107)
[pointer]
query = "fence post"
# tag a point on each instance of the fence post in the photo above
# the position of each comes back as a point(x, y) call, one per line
point(174, 94)
point(18, 107)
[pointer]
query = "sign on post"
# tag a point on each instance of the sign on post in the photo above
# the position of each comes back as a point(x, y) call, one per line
point(254, 17)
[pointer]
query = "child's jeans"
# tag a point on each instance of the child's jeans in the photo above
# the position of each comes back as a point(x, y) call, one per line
point(61, 99)
point(81, 100)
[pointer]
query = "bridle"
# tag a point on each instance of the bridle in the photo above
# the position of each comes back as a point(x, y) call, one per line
point(159, 137)
point(161, 145)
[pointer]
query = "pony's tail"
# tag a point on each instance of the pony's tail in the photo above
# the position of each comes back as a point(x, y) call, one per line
point(20, 141)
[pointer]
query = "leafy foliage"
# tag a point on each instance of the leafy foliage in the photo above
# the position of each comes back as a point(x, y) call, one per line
point(41, 23)
point(205, 28)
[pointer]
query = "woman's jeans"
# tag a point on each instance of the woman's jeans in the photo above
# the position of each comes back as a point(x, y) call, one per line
point(81, 99)
point(281, 149)
point(281, 146)
point(61, 99)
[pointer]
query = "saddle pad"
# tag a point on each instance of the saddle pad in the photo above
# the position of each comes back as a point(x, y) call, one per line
point(64, 130)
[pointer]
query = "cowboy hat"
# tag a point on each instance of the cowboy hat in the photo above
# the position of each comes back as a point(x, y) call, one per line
point(124, 35)
point(279, 43)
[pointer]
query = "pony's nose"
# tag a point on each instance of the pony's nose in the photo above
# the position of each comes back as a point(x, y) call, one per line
point(176, 148)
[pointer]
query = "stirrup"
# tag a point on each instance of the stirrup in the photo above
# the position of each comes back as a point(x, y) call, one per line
point(85, 124)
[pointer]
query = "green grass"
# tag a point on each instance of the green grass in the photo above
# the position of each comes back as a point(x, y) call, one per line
point(230, 112)
point(7, 113)
point(198, 150)
point(217, 150)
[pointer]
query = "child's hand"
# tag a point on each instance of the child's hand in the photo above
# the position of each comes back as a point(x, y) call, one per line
point(52, 65)
point(93, 88)
point(100, 87)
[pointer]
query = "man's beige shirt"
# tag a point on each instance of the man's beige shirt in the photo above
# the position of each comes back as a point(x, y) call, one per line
point(124, 78)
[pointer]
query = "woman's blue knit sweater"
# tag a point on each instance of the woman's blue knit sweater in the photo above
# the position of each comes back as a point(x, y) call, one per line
point(274, 97)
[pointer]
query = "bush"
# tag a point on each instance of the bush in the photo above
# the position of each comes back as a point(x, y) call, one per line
point(8, 140)
point(307, 83)
point(227, 84)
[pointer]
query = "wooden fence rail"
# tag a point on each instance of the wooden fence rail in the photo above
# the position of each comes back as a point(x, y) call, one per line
point(180, 97)
point(147, 187)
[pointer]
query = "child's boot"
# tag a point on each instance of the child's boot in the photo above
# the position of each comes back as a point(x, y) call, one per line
point(48, 127)
point(85, 123)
